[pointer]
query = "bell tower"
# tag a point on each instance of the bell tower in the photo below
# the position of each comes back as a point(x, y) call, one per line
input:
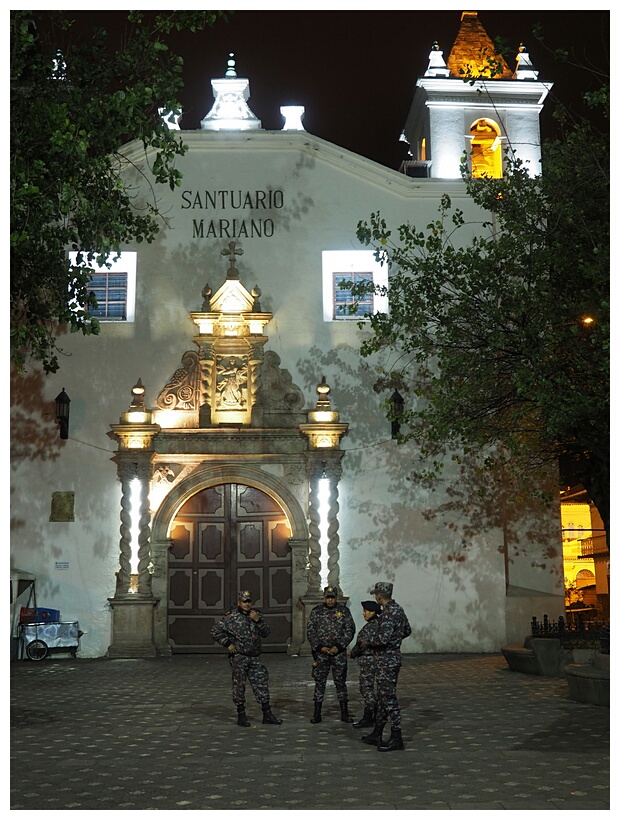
point(474, 105)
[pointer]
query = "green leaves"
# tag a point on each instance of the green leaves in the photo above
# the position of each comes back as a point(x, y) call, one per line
point(67, 188)
point(497, 360)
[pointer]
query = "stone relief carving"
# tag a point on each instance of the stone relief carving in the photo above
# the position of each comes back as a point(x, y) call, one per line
point(181, 392)
point(295, 474)
point(163, 473)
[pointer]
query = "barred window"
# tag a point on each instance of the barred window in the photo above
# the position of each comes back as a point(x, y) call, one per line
point(114, 286)
point(344, 300)
point(110, 291)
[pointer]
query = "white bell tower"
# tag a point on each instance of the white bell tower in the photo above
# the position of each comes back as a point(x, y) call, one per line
point(484, 118)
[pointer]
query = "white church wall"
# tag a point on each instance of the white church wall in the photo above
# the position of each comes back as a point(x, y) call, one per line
point(524, 131)
point(448, 145)
point(454, 603)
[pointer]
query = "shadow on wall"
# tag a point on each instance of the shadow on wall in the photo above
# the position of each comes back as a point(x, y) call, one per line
point(481, 514)
point(34, 430)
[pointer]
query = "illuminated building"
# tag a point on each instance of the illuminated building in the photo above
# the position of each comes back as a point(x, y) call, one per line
point(225, 434)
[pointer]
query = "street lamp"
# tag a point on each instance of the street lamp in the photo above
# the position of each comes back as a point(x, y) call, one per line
point(62, 413)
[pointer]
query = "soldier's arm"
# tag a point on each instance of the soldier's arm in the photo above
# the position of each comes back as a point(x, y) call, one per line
point(358, 648)
point(312, 634)
point(221, 634)
point(349, 628)
point(385, 631)
point(262, 627)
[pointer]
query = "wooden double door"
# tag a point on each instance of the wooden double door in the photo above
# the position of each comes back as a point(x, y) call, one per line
point(228, 538)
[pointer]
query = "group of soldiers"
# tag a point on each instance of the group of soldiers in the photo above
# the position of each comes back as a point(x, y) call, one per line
point(330, 631)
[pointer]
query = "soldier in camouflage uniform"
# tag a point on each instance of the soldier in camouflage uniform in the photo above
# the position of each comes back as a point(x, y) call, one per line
point(330, 630)
point(366, 659)
point(393, 628)
point(241, 632)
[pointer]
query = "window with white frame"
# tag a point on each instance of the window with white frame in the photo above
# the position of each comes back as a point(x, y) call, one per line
point(355, 267)
point(114, 286)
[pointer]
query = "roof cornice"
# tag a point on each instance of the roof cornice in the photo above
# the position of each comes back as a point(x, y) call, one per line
point(310, 146)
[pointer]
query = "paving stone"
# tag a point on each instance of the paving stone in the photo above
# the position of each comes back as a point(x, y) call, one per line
point(161, 734)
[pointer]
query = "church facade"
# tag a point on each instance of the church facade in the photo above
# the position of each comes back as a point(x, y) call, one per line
point(224, 433)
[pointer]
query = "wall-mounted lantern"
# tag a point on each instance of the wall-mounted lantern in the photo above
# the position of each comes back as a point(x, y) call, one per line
point(397, 405)
point(62, 413)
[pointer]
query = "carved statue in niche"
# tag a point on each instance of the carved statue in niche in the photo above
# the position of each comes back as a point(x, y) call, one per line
point(232, 378)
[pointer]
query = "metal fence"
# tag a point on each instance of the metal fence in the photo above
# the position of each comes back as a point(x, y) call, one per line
point(579, 630)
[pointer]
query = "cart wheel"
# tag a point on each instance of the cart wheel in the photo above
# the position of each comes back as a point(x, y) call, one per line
point(37, 650)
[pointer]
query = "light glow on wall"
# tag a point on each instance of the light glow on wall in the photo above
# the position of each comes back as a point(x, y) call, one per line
point(323, 526)
point(134, 497)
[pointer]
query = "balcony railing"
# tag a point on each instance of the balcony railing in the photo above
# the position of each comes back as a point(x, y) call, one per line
point(597, 545)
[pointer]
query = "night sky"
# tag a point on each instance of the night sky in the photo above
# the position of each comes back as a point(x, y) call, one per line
point(355, 72)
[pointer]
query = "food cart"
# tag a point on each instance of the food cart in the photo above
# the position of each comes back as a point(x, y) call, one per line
point(37, 631)
point(37, 640)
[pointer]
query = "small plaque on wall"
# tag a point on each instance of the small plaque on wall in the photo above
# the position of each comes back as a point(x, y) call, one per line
point(62, 507)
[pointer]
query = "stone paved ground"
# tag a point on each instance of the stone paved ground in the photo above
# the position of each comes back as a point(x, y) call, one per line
point(161, 735)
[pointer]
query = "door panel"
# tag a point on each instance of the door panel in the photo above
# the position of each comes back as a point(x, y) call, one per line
point(226, 539)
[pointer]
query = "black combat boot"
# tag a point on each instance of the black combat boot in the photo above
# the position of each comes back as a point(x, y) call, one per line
point(344, 712)
point(367, 719)
point(316, 717)
point(268, 715)
point(394, 743)
point(376, 737)
point(241, 717)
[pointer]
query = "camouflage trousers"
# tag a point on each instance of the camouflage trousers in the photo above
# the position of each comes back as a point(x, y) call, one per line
point(388, 666)
point(251, 669)
point(321, 668)
point(368, 675)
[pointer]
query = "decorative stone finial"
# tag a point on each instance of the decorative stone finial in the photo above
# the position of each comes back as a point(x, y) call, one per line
point(256, 293)
point(231, 71)
point(230, 110)
point(137, 396)
point(206, 294)
point(323, 389)
point(525, 70)
point(292, 117)
point(436, 64)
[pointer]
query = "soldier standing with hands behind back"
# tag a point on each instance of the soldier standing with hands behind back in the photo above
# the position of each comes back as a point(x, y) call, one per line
point(241, 632)
point(330, 630)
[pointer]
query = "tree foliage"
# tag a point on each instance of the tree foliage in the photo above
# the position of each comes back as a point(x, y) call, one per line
point(501, 345)
point(76, 98)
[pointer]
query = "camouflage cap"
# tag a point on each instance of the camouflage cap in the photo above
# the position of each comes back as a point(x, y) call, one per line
point(246, 595)
point(330, 590)
point(383, 588)
point(371, 606)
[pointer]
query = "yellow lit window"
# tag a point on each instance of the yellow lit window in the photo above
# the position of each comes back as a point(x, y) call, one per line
point(486, 153)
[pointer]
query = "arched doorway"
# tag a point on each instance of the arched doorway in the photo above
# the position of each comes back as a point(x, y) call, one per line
point(226, 538)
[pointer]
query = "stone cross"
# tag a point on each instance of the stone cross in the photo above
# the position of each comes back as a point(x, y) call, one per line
point(231, 252)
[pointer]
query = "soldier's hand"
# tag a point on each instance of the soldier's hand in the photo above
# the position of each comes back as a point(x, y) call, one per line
point(333, 650)
point(325, 650)
point(232, 648)
point(254, 615)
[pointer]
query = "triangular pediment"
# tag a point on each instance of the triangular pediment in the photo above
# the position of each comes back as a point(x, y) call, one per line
point(232, 297)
